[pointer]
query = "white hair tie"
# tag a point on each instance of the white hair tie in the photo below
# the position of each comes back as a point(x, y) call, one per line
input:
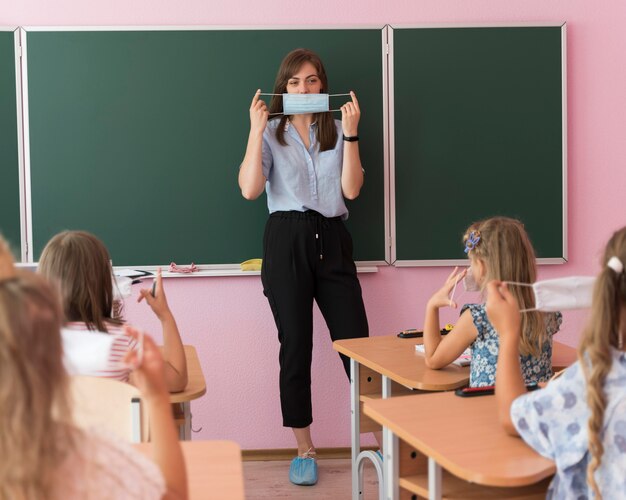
point(616, 264)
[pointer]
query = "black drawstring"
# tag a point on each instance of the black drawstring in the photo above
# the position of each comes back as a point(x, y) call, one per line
point(321, 224)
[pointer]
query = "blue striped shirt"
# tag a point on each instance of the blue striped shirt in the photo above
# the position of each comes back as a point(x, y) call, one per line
point(300, 179)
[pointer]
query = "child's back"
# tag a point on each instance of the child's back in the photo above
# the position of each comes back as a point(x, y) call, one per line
point(485, 349)
point(553, 421)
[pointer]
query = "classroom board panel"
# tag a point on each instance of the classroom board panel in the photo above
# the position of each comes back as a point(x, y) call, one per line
point(478, 130)
point(10, 227)
point(137, 136)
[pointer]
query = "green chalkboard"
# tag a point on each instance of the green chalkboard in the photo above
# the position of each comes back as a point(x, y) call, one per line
point(478, 132)
point(137, 136)
point(9, 158)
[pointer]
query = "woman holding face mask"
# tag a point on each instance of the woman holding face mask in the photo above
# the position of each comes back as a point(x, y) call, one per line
point(308, 162)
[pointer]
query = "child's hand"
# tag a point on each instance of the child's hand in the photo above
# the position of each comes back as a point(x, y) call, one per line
point(502, 309)
point(441, 298)
point(147, 363)
point(158, 303)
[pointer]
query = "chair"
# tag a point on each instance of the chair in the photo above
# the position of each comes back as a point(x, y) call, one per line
point(109, 404)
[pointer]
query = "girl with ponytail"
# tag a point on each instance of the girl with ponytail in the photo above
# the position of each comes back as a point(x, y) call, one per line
point(579, 419)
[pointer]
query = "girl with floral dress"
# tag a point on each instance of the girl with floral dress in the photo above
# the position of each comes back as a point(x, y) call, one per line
point(498, 249)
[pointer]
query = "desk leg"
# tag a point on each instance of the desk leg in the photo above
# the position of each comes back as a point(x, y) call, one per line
point(390, 447)
point(184, 431)
point(355, 416)
point(434, 480)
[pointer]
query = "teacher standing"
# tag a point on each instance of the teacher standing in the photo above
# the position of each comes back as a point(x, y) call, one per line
point(308, 164)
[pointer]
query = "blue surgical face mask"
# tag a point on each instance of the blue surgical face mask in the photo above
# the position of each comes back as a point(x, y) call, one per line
point(299, 104)
point(302, 104)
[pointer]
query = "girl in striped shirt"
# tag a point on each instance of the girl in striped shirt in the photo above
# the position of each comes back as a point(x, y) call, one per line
point(80, 265)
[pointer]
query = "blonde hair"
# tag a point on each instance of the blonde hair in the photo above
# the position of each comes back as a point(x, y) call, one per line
point(601, 333)
point(35, 417)
point(80, 265)
point(508, 255)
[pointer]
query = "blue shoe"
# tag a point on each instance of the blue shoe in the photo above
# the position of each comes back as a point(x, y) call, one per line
point(303, 469)
point(380, 454)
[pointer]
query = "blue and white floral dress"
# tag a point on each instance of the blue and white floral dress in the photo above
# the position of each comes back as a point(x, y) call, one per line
point(553, 421)
point(487, 344)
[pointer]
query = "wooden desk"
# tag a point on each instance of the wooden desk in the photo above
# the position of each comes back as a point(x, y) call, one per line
point(214, 469)
point(378, 364)
point(462, 436)
point(562, 356)
point(382, 365)
point(196, 387)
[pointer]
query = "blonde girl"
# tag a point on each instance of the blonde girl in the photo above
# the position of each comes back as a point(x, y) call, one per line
point(579, 419)
point(79, 264)
point(498, 249)
point(44, 456)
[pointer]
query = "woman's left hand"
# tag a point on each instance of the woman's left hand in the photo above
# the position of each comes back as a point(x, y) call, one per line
point(350, 115)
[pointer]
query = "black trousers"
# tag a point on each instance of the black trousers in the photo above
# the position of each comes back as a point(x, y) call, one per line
point(307, 256)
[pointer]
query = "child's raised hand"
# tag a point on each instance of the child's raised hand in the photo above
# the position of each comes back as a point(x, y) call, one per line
point(441, 298)
point(158, 302)
point(502, 309)
point(147, 363)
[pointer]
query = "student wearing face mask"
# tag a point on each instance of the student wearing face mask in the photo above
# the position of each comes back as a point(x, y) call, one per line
point(498, 249)
point(307, 162)
point(579, 419)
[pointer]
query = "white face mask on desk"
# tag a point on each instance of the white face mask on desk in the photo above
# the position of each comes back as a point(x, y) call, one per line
point(573, 292)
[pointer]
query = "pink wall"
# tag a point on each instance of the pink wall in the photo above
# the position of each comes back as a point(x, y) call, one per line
point(228, 319)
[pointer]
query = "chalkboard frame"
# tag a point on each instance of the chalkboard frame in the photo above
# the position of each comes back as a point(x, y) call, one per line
point(21, 250)
point(366, 265)
point(395, 261)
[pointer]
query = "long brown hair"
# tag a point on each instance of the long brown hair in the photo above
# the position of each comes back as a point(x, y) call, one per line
point(594, 352)
point(326, 129)
point(505, 249)
point(35, 417)
point(79, 263)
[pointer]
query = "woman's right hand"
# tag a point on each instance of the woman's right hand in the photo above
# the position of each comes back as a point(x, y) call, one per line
point(441, 298)
point(258, 113)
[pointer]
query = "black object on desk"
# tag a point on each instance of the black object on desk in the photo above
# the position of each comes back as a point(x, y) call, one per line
point(411, 333)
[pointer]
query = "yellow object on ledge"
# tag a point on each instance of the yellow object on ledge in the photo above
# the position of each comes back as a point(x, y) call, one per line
point(251, 265)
